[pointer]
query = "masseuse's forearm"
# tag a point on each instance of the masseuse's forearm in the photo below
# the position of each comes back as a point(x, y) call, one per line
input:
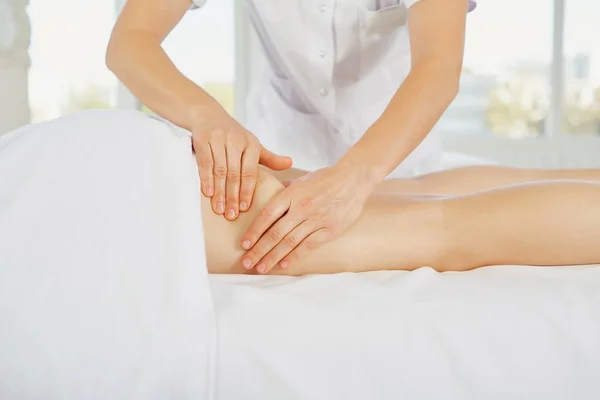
point(413, 111)
point(142, 65)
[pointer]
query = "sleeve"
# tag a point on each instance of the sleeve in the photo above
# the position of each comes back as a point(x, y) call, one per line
point(410, 3)
point(197, 4)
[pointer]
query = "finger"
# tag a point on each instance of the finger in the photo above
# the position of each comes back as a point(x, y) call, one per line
point(232, 184)
point(308, 245)
point(219, 175)
point(274, 210)
point(269, 241)
point(274, 161)
point(285, 246)
point(249, 176)
point(205, 162)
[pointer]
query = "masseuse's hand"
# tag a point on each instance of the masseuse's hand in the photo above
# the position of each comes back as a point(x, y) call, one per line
point(228, 157)
point(311, 211)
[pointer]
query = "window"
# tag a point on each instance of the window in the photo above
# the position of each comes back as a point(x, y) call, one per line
point(520, 79)
point(582, 68)
point(202, 46)
point(505, 87)
point(68, 43)
point(518, 74)
point(52, 59)
point(58, 66)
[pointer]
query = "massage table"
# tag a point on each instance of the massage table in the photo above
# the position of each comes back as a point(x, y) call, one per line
point(97, 303)
point(502, 332)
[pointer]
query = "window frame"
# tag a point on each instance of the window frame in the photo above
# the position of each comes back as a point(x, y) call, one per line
point(557, 72)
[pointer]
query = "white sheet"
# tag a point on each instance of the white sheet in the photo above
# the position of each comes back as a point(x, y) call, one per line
point(495, 333)
point(103, 289)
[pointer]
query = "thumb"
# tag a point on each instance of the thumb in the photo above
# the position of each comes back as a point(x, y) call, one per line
point(273, 161)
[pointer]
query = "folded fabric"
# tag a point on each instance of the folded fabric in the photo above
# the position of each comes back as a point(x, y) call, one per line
point(103, 282)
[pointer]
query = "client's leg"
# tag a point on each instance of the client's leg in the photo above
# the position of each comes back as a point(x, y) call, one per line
point(468, 179)
point(473, 179)
point(546, 223)
point(394, 232)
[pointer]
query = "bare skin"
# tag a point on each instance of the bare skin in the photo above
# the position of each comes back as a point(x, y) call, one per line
point(451, 221)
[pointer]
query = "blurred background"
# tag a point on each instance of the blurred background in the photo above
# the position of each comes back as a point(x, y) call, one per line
point(530, 91)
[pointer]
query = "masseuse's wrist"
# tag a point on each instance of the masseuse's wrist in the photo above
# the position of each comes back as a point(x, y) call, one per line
point(367, 172)
point(376, 153)
point(204, 111)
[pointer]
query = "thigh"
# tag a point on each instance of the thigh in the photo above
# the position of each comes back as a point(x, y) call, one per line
point(223, 238)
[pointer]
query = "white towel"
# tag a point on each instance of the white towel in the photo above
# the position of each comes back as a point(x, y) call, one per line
point(103, 281)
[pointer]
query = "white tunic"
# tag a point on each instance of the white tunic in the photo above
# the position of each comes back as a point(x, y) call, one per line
point(334, 65)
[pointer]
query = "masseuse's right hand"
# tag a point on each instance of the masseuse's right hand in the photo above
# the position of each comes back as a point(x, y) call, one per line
point(228, 157)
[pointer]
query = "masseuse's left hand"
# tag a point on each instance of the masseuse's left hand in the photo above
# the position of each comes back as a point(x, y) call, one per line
point(311, 211)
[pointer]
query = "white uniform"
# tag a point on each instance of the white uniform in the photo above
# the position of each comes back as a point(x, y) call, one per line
point(334, 67)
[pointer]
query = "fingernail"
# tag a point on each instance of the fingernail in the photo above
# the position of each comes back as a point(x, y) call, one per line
point(220, 208)
point(210, 191)
point(243, 206)
point(246, 244)
point(247, 263)
point(284, 264)
point(262, 268)
point(230, 214)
